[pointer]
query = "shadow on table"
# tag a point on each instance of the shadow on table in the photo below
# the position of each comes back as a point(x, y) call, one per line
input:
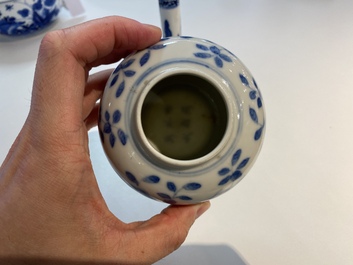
point(204, 255)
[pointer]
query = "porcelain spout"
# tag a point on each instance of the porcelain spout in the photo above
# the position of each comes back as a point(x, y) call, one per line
point(170, 18)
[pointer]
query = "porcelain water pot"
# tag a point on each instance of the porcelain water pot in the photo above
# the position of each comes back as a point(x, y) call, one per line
point(183, 120)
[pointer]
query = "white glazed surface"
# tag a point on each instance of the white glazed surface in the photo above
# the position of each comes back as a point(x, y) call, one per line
point(170, 180)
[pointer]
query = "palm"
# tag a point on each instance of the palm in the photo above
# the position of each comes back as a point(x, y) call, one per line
point(51, 208)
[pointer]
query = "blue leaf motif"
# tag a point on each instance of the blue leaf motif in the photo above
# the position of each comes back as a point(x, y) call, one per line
point(122, 137)
point(202, 47)
point(252, 94)
point(184, 198)
point(225, 57)
point(259, 103)
point(125, 65)
point(107, 128)
point(49, 2)
point(116, 116)
point(243, 163)
point(164, 196)
point(236, 157)
point(157, 46)
point(192, 186)
point(223, 171)
point(152, 179)
point(120, 89)
point(113, 82)
point(144, 59)
point(129, 73)
point(215, 50)
point(244, 80)
point(171, 186)
point(24, 12)
point(38, 19)
point(218, 62)
point(203, 55)
point(107, 116)
point(253, 115)
point(224, 181)
point(167, 30)
point(117, 69)
point(112, 140)
point(132, 178)
point(258, 134)
point(37, 5)
point(237, 174)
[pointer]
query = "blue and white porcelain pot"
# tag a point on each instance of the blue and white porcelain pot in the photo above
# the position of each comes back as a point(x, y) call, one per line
point(19, 17)
point(182, 121)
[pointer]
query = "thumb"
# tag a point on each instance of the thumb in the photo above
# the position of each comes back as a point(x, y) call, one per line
point(165, 232)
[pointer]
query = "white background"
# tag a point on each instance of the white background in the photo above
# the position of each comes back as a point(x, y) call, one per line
point(296, 205)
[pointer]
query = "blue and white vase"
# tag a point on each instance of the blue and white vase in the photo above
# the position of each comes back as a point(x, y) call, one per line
point(19, 17)
point(183, 120)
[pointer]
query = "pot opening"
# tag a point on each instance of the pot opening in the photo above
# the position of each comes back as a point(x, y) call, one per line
point(184, 117)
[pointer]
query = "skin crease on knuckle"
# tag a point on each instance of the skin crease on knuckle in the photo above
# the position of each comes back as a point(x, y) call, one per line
point(51, 45)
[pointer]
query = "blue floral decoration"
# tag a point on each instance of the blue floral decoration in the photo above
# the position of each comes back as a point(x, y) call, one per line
point(168, 4)
point(110, 124)
point(147, 55)
point(119, 75)
point(122, 71)
point(174, 190)
point(122, 68)
point(133, 181)
point(167, 31)
point(212, 52)
point(234, 172)
point(254, 95)
point(175, 193)
point(43, 12)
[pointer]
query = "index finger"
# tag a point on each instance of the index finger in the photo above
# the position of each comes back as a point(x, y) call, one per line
point(65, 57)
point(96, 39)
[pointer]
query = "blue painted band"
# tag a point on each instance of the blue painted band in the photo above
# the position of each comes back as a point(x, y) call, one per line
point(168, 4)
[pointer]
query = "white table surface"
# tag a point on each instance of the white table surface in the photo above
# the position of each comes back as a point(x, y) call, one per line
point(296, 204)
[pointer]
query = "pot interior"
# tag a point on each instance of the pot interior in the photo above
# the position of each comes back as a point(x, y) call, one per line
point(184, 116)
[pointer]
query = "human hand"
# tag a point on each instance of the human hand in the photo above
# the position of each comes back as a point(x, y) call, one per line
point(51, 209)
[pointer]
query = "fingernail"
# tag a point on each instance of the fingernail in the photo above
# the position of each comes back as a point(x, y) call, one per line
point(203, 208)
